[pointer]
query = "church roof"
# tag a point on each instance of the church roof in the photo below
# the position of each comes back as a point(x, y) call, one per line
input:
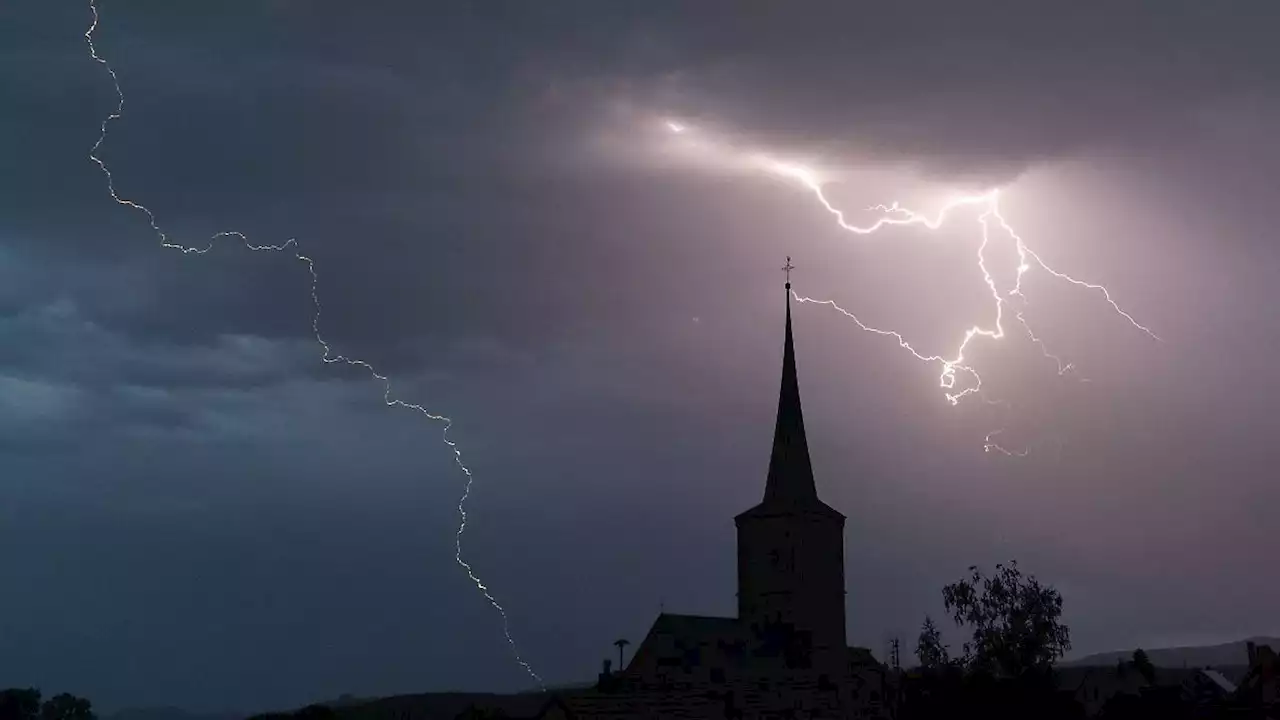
point(697, 627)
point(790, 485)
point(693, 630)
point(680, 640)
point(673, 620)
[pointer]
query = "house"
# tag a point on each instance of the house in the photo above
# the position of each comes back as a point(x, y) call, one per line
point(1207, 688)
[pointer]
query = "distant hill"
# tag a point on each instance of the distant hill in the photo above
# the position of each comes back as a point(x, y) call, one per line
point(1232, 653)
point(424, 706)
point(169, 713)
point(564, 687)
point(441, 706)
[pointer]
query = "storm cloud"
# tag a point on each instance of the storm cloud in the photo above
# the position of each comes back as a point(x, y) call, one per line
point(197, 511)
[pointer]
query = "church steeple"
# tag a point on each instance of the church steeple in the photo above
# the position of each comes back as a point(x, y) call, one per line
point(791, 545)
point(790, 473)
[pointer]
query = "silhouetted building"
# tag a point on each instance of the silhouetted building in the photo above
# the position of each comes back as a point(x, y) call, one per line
point(1260, 687)
point(785, 654)
point(1094, 687)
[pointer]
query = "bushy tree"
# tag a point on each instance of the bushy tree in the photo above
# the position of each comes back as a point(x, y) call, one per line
point(930, 651)
point(24, 704)
point(66, 707)
point(20, 704)
point(1016, 621)
point(1005, 671)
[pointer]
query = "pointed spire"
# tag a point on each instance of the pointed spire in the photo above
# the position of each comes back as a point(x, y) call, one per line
point(790, 474)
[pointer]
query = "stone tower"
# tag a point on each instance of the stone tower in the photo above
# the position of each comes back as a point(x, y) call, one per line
point(791, 547)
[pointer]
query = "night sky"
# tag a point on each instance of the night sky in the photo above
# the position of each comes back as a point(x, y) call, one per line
point(196, 511)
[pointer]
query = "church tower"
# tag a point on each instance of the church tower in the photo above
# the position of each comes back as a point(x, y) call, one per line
point(791, 546)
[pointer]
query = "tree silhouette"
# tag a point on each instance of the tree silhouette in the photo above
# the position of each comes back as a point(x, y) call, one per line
point(66, 707)
point(1016, 621)
point(24, 704)
point(931, 652)
point(20, 704)
point(1143, 665)
point(1006, 670)
point(621, 643)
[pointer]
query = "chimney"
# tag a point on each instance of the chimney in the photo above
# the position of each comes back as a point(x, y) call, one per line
point(605, 681)
point(1253, 652)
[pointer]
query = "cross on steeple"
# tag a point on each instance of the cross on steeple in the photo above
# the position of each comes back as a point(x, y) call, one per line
point(787, 269)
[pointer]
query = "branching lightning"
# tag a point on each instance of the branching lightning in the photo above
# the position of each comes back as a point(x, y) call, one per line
point(893, 215)
point(291, 246)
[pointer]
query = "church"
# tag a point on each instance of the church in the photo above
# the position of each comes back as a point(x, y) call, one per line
point(785, 654)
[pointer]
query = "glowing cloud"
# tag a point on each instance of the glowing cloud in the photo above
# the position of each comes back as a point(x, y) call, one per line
point(895, 215)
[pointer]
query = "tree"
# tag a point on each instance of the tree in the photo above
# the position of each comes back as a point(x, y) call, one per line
point(66, 707)
point(932, 653)
point(19, 704)
point(1016, 621)
point(1143, 665)
point(621, 643)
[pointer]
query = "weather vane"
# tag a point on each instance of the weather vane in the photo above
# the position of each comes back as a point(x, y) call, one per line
point(787, 269)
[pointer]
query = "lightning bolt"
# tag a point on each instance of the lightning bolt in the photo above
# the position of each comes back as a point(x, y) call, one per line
point(328, 356)
point(895, 215)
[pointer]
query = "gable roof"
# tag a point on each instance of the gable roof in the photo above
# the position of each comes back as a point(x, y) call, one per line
point(1220, 680)
point(683, 641)
point(695, 626)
